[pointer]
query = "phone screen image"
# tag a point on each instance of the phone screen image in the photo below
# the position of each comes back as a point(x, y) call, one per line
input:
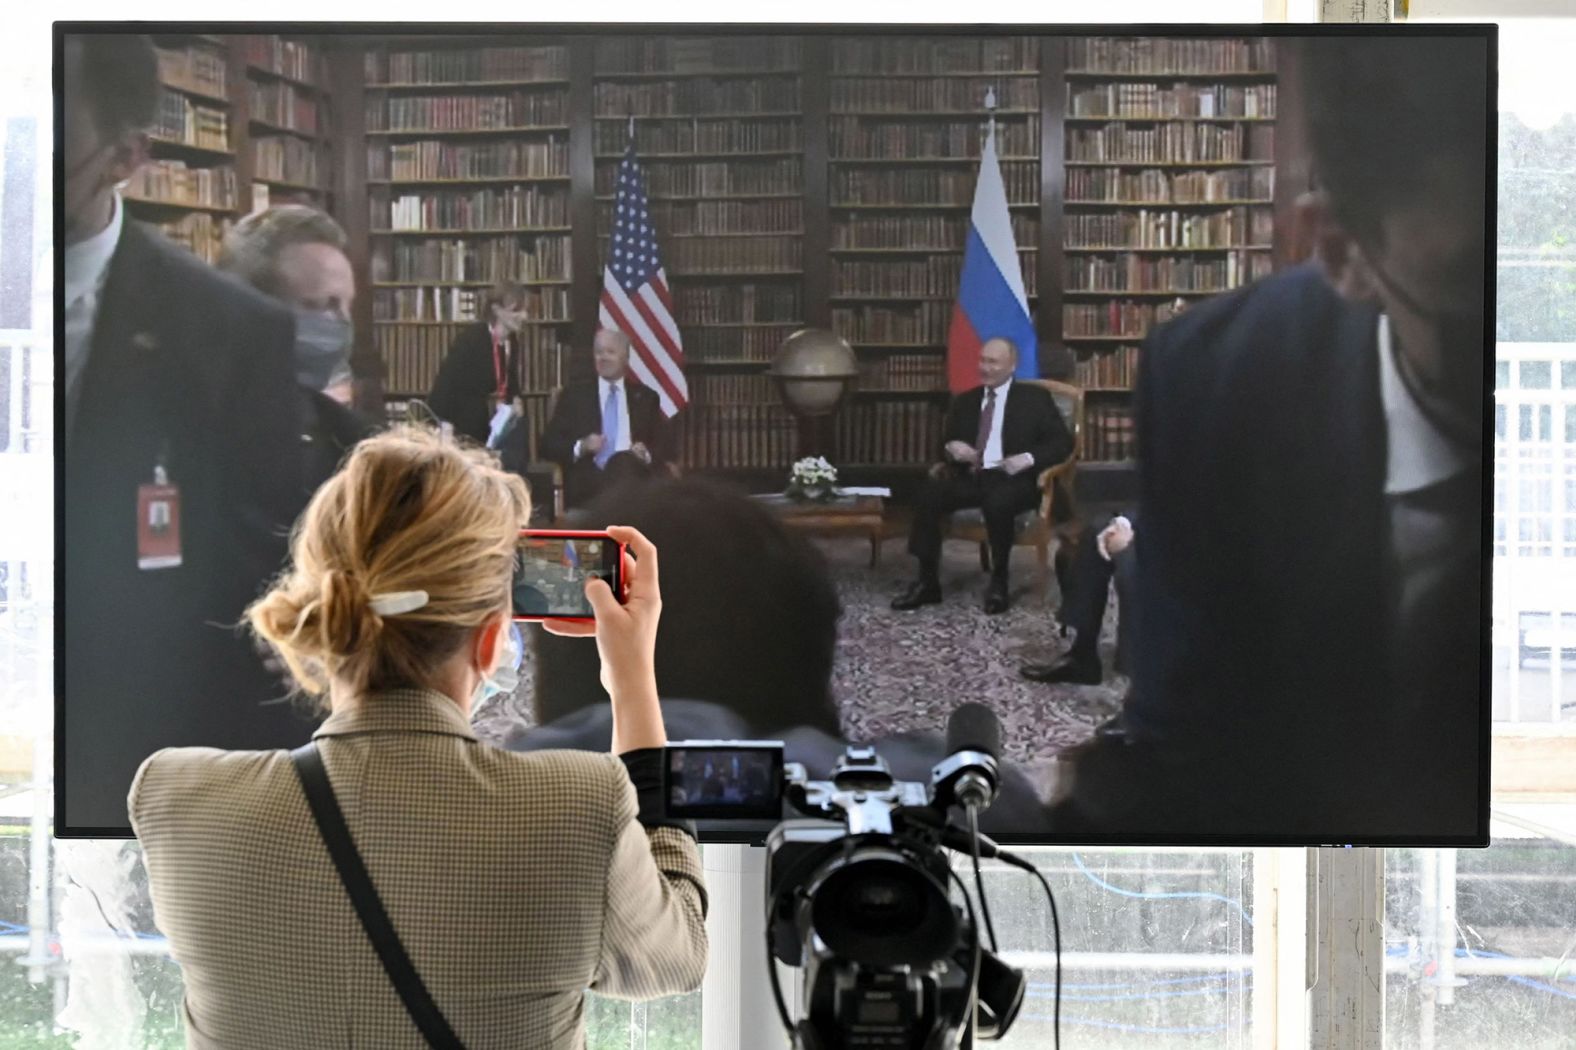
point(550, 573)
point(722, 781)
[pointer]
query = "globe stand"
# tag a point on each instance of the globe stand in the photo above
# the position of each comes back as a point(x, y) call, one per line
point(814, 371)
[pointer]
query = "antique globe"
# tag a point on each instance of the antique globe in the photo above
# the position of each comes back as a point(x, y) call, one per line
point(813, 370)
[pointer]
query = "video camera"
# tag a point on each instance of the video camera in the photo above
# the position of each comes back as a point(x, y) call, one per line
point(859, 888)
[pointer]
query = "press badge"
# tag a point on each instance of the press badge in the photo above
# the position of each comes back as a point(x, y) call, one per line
point(158, 523)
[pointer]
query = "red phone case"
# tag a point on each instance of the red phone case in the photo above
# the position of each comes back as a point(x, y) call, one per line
point(622, 593)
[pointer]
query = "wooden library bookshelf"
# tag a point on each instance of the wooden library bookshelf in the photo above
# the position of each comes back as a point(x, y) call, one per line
point(190, 188)
point(241, 126)
point(1169, 198)
point(289, 121)
point(467, 161)
point(719, 137)
point(905, 132)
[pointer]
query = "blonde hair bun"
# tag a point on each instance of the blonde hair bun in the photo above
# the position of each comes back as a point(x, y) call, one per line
point(408, 511)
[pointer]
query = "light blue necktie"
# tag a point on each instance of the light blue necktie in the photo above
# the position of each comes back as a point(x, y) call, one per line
point(609, 427)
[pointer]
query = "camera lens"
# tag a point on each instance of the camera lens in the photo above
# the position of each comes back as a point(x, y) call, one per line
point(881, 908)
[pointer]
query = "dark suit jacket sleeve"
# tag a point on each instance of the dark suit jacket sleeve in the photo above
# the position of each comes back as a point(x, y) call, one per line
point(565, 428)
point(649, 425)
point(460, 390)
point(963, 420)
point(1190, 549)
point(1052, 442)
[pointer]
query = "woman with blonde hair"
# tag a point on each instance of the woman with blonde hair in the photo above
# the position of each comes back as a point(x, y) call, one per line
point(493, 888)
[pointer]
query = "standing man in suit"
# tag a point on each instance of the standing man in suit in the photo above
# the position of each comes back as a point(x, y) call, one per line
point(606, 430)
point(181, 463)
point(999, 436)
point(1311, 575)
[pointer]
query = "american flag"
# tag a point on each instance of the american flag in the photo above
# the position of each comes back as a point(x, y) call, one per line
point(635, 295)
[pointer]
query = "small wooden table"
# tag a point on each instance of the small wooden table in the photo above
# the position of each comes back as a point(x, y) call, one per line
point(834, 517)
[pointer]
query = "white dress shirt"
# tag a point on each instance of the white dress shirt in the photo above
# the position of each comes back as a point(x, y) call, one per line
point(990, 455)
point(1420, 454)
point(87, 267)
point(602, 388)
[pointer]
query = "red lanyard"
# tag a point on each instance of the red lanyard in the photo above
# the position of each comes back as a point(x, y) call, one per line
point(498, 370)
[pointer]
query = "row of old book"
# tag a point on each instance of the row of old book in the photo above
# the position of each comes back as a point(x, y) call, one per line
point(722, 436)
point(689, 218)
point(693, 55)
point(284, 106)
point(1232, 227)
point(550, 304)
point(1109, 435)
point(502, 208)
point(286, 158)
point(172, 182)
point(1130, 101)
point(1147, 273)
point(1151, 55)
point(688, 135)
point(521, 109)
point(1115, 369)
point(922, 186)
point(923, 324)
point(1121, 143)
point(938, 275)
point(1118, 318)
point(863, 138)
point(287, 58)
point(548, 158)
point(195, 67)
point(692, 178)
point(1155, 186)
point(468, 65)
point(544, 258)
point(916, 232)
point(698, 97)
point(191, 123)
point(887, 94)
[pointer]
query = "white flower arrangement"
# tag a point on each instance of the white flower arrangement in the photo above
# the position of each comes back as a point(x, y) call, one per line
point(812, 478)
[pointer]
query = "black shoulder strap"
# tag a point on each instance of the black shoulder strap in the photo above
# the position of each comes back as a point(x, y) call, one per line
point(369, 908)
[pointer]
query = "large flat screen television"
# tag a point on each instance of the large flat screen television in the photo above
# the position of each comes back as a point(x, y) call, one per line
point(1144, 372)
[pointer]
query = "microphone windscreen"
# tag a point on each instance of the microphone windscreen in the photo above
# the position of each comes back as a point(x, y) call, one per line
point(974, 727)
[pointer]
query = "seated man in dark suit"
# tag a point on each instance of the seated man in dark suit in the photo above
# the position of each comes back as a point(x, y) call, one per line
point(999, 436)
point(1311, 580)
point(606, 430)
point(178, 386)
point(1105, 556)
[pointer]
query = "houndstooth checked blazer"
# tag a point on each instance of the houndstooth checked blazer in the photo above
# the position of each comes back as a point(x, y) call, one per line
point(516, 881)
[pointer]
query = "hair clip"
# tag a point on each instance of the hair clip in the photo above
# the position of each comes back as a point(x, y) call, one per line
point(396, 602)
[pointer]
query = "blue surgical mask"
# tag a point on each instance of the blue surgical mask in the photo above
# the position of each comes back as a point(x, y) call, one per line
point(322, 348)
point(506, 675)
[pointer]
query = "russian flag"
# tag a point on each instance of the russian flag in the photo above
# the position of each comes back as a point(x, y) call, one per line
point(991, 301)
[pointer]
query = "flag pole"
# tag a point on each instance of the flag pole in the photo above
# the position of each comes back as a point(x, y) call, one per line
point(990, 111)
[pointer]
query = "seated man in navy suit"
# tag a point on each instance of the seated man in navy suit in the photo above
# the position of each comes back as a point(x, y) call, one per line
point(608, 429)
point(999, 436)
point(1311, 579)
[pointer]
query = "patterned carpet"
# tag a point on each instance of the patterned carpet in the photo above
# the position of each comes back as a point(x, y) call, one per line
point(903, 671)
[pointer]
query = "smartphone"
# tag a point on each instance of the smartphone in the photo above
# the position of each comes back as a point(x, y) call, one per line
point(551, 567)
point(723, 779)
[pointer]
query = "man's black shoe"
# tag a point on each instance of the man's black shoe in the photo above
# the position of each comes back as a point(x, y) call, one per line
point(996, 598)
point(921, 593)
point(1070, 669)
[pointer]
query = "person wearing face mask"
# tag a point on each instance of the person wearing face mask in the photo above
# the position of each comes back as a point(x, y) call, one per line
point(509, 883)
point(178, 393)
point(482, 369)
point(296, 255)
point(1310, 580)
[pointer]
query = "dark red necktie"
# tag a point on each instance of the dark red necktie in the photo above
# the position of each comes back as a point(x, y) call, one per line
point(987, 417)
